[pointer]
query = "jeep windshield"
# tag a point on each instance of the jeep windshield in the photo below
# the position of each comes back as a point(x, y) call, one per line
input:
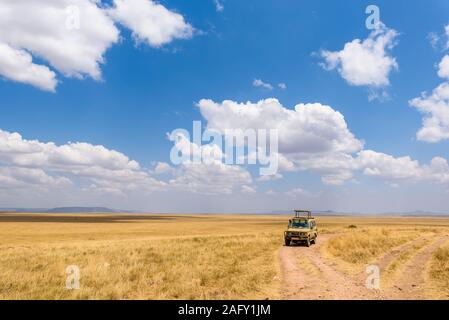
point(299, 224)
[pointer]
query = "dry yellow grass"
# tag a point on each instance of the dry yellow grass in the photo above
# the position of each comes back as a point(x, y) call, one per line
point(219, 267)
point(439, 273)
point(396, 265)
point(391, 247)
point(360, 247)
point(169, 256)
point(139, 257)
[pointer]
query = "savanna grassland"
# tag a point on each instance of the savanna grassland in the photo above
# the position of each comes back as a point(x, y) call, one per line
point(140, 256)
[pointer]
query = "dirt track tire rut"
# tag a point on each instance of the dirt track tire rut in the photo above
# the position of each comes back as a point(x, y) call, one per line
point(331, 284)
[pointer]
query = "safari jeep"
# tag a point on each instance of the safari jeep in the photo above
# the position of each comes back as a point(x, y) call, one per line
point(301, 229)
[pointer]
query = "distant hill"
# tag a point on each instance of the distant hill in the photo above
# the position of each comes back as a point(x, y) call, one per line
point(273, 212)
point(290, 212)
point(65, 210)
point(81, 210)
point(417, 213)
point(24, 210)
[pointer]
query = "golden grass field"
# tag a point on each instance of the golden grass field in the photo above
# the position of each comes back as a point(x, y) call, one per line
point(138, 256)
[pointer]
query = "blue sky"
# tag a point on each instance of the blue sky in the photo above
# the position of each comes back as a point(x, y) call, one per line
point(148, 90)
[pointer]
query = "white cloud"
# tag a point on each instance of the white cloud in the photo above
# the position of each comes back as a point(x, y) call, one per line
point(381, 95)
point(52, 164)
point(314, 137)
point(266, 178)
point(385, 166)
point(151, 22)
point(32, 153)
point(219, 7)
point(162, 167)
point(382, 165)
point(443, 67)
point(72, 36)
point(434, 39)
point(447, 35)
point(17, 65)
point(282, 85)
point(306, 129)
point(25, 178)
point(248, 190)
point(210, 153)
point(311, 136)
point(335, 168)
point(210, 176)
point(367, 62)
point(299, 193)
point(436, 109)
point(40, 28)
point(31, 165)
point(439, 41)
point(260, 84)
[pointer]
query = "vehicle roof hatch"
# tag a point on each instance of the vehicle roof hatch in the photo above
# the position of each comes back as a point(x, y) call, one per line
point(302, 213)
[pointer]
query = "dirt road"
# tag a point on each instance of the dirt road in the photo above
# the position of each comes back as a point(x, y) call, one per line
point(309, 275)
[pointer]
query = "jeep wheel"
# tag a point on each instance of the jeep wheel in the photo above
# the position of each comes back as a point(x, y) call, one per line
point(308, 242)
point(287, 242)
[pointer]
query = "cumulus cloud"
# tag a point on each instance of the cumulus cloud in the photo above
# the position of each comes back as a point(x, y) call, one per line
point(306, 129)
point(378, 164)
point(150, 22)
point(382, 166)
point(210, 176)
point(72, 36)
point(385, 166)
point(17, 65)
point(162, 167)
point(436, 110)
point(258, 83)
point(311, 136)
point(41, 28)
point(334, 168)
point(443, 67)
point(435, 106)
point(32, 153)
point(316, 138)
point(367, 62)
point(52, 164)
point(26, 178)
point(93, 171)
point(300, 193)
